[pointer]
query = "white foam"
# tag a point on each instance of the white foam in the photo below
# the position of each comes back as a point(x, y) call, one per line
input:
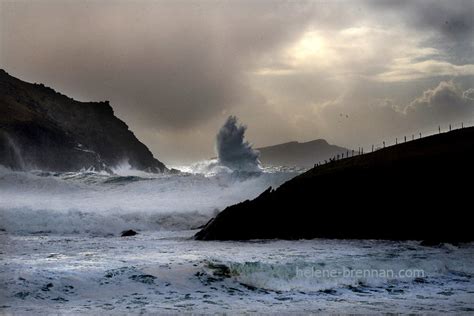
point(99, 203)
point(167, 272)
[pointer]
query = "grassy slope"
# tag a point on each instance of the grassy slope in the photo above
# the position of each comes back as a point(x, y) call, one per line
point(416, 190)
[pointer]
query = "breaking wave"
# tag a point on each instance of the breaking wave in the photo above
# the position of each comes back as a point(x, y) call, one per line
point(99, 203)
point(232, 149)
point(396, 267)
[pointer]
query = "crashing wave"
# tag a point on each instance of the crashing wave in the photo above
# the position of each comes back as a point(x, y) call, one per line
point(233, 150)
point(99, 203)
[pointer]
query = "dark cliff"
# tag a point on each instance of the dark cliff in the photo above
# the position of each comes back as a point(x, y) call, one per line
point(299, 154)
point(419, 190)
point(43, 129)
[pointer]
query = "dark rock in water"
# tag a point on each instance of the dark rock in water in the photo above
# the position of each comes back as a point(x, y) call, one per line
point(143, 278)
point(46, 287)
point(128, 233)
point(417, 190)
point(43, 129)
point(219, 270)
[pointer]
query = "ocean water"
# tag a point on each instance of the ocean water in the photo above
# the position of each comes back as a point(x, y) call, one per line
point(60, 251)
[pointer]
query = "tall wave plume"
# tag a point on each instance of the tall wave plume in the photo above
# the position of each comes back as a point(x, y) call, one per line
point(233, 150)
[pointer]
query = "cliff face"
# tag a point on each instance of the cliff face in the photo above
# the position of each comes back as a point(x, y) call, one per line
point(43, 129)
point(299, 154)
point(419, 190)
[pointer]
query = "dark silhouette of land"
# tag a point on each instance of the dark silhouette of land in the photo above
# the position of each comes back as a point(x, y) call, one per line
point(418, 190)
point(299, 154)
point(43, 129)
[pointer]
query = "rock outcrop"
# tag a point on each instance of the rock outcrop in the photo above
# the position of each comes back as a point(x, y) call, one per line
point(128, 233)
point(43, 129)
point(419, 190)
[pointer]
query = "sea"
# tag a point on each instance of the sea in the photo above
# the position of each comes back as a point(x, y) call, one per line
point(61, 252)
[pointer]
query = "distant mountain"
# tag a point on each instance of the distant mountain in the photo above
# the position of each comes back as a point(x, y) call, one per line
point(43, 129)
point(419, 190)
point(299, 154)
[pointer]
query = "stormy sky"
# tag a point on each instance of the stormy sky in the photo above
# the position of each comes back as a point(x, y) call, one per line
point(353, 72)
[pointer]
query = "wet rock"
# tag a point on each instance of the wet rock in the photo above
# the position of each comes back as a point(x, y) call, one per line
point(128, 233)
point(43, 129)
point(46, 287)
point(143, 278)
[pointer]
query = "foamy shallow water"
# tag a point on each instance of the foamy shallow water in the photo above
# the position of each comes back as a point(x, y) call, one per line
point(169, 272)
point(60, 252)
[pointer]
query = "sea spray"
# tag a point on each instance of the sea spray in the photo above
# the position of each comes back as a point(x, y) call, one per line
point(98, 203)
point(233, 150)
point(10, 153)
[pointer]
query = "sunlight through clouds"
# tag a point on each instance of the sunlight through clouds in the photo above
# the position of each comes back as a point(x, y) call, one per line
point(178, 70)
point(309, 49)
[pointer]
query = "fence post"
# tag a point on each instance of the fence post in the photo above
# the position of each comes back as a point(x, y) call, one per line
point(396, 141)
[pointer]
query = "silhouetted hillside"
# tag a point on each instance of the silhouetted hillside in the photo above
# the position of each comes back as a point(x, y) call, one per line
point(299, 154)
point(418, 190)
point(43, 129)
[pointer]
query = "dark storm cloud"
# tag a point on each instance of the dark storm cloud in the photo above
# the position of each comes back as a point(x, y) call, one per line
point(175, 70)
point(453, 18)
point(170, 65)
point(450, 22)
